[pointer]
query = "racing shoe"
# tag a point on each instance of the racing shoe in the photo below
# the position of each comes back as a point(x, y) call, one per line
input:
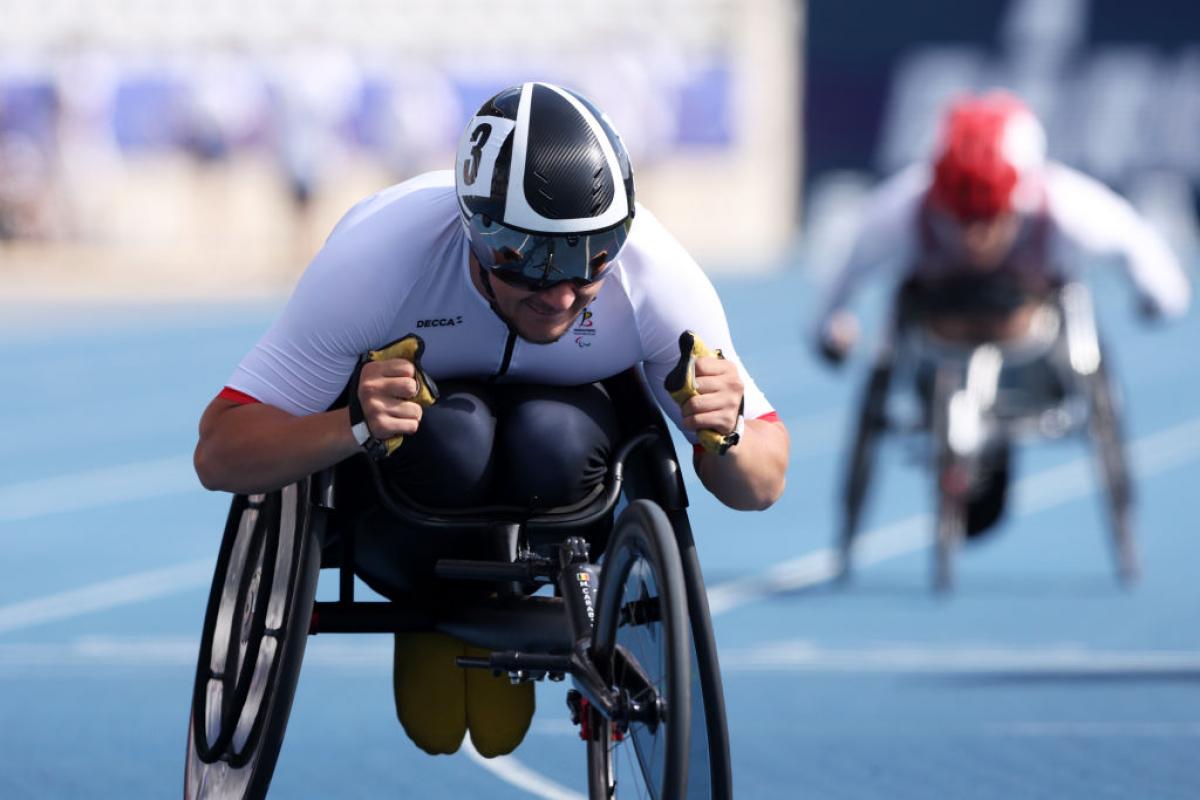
point(498, 711)
point(430, 691)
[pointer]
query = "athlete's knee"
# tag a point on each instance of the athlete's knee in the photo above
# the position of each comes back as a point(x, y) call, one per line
point(554, 446)
point(449, 460)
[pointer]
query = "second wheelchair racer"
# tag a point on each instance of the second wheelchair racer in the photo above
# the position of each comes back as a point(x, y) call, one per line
point(988, 226)
point(978, 238)
point(531, 273)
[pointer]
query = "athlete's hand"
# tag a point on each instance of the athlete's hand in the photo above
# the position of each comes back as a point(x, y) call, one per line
point(1148, 311)
point(716, 406)
point(709, 392)
point(837, 337)
point(386, 391)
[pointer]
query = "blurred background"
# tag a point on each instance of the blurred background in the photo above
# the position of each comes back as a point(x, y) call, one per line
point(168, 167)
point(178, 146)
point(212, 145)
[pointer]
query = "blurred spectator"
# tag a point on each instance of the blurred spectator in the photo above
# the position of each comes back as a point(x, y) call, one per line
point(227, 104)
point(315, 88)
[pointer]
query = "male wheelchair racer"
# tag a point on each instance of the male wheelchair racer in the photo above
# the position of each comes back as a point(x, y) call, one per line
point(1007, 371)
point(640, 649)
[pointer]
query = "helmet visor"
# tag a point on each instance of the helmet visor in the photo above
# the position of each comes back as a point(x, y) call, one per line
point(537, 261)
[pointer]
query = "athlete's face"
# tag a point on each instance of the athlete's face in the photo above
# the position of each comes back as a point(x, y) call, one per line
point(542, 316)
point(983, 243)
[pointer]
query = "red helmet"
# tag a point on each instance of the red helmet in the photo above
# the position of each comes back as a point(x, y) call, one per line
point(991, 150)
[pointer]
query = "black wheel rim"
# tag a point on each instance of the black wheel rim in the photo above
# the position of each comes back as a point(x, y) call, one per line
point(640, 636)
point(643, 647)
point(235, 704)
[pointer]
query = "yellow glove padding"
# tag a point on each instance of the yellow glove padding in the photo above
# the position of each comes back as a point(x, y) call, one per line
point(410, 348)
point(437, 701)
point(681, 383)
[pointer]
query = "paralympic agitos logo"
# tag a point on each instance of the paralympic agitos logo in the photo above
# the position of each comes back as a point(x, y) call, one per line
point(584, 328)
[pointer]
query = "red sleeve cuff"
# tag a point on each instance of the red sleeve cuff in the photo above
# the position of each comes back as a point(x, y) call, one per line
point(241, 398)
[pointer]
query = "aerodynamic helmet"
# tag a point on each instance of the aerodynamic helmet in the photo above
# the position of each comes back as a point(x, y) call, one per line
point(544, 185)
point(989, 158)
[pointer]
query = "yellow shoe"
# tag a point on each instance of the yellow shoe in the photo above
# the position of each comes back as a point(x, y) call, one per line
point(430, 691)
point(498, 712)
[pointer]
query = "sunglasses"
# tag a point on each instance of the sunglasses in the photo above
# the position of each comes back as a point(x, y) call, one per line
point(520, 279)
point(535, 262)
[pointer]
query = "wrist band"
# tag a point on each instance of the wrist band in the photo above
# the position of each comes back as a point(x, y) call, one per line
point(375, 448)
point(739, 428)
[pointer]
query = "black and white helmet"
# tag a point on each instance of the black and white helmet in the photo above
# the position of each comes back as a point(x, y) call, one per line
point(544, 185)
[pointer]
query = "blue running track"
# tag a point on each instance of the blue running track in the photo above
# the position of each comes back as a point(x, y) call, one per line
point(1039, 677)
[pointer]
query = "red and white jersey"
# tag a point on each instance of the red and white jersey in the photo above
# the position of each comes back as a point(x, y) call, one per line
point(1077, 219)
point(397, 263)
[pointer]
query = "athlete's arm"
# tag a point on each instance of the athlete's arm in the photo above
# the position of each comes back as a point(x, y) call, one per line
point(749, 476)
point(1098, 221)
point(255, 447)
point(885, 239)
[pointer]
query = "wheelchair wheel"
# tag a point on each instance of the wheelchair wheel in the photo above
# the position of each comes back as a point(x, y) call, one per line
point(952, 479)
point(710, 773)
point(1108, 440)
point(951, 526)
point(252, 644)
point(641, 645)
point(862, 455)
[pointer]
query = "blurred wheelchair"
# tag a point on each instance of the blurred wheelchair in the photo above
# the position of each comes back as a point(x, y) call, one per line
point(977, 395)
point(629, 622)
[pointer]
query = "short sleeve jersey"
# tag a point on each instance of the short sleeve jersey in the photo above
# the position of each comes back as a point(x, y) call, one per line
point(397, 263)
point(1078, 219)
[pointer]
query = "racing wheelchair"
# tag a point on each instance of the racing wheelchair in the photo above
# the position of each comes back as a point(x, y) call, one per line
point(976, 399)
point(627, 619)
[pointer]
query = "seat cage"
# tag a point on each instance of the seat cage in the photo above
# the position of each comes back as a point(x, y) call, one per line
point(1061, 349)
point(527, 542)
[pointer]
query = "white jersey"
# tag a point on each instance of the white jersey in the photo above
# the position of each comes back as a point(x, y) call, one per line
point(1080, 218)
point(397, 263)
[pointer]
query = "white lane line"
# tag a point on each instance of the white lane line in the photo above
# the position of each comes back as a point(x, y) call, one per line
point(799, 655)
point(104, 595)
point(1151, 455)
point(514, 773)
point(97, 488)
point(1169, 730)
point(1075, 659)
point(371, 656)
point(1154, 454)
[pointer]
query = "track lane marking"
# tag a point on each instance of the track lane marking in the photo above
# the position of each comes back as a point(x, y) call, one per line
point(798, 655)
point(129, 589)
point(97, 488)
point(1156, 453)
point(514, 773)
point(903, 657)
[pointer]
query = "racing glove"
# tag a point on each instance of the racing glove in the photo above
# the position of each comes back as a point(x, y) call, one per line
point(681, 384)
point(410, 348)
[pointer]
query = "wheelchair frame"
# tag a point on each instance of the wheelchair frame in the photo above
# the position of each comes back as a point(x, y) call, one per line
point(966, 419)
point(232, 753)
